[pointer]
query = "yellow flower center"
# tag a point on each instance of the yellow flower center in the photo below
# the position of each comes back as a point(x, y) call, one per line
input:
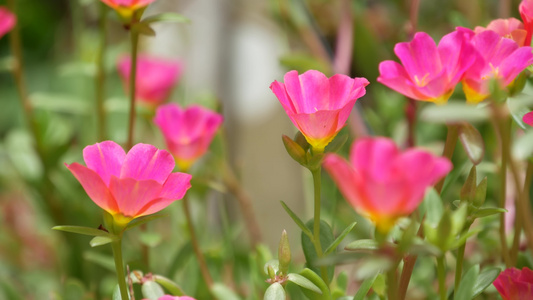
point(422, 82)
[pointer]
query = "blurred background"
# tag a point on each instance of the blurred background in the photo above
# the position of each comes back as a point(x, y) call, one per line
point(232, 51)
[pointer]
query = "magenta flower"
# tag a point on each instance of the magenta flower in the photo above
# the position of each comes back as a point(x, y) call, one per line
point(187, 132)
point(526, 12)
point(381, 182)
point(428, 72)
point(155, 78)
point(7, 21)
point(129, 185)
point(515, 284)
point(127, 8)
point(498, 59)
point(510, 28)
point(528, 118)
point(318, 106)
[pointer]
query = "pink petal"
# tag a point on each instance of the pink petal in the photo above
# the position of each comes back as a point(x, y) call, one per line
point(528, 118)
point(457, 54)
point(343, 89)
point(146, 162)
point(105, 159)
point(133, 195)
point(345, 177)
point(95, 188)
point(374, 157)
point(515, 63)
point(394, 76)
point(278, 88)
point(7, 21)
point(322, 125)
point(176, 186)
point(420, 56)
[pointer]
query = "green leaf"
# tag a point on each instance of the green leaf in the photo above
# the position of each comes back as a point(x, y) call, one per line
point(316, 280)
point(83, 230)
point(100, 240)
point(488, 211)
point(143, 28)
point(167, 17)
point(152, 290)
point(454, 112)
point(143, 220)
point(424, 248)
point(172, 287)
point(303, 282)
point(326, 238)
point(295, 151)
point(481, 193)
point(468, 191)
point(364, 288)
point(466, 287)
point(62, 103)
point(523, 146)
point(472, 142)
point(365, 245)
point(337, 143)
point(434, 207)
point(274, 292)
point(284, 253)
point(297, 220)
point(221, 291)
point(484, 280)
point(339, 239)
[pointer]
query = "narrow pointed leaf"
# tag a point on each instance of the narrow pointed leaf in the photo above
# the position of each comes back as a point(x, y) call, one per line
point(297, 220)
point(143, 28)
point(362, 245)
point(311, 257)
point(484, 280)
point(295, 151)
point(100, 240)
point(303, 282)
point(481, 192)
point(167, 17)
point(339, 239)
point(468, 191)
point(275, 292)
point(364, 288)
point(83, 230)
point(489, 211)
point(472, 142)
point(466, 287)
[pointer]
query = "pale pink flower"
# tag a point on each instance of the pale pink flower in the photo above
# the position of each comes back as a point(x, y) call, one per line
point(383, 183)
point(528, 118)
point(515, 284)
point(188, 132)
point(318, 106)
point(526, 12)
point(498, 59)
point(510, 28)
point(7, 21)
point(130, 185)
point(428, 72)
point(155, 78)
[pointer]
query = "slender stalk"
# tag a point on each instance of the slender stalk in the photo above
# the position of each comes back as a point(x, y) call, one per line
point(460, 260)
point(441, 273)
point(133, 80)
point(101, 75)
point(518, 217)
point(410, 260)
point(392, 283)
point(196, 247)
point(116, 245)
point(245, 204)
point(316, 221)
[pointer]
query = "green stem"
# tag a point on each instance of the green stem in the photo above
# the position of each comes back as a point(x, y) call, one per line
point(518, 217)
point(410, 260)
point(133, 77)
point(460, 260)
point(441, 273)
point(101, 75)
point(392, 283)
point(316, 220)
point(116, 245)
point(196, 247)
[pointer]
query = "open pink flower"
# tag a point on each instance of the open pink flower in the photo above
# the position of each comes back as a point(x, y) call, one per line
point(526, 12)
point(515, 284)
point(498, 59)
point(127, 8)
point(155, 78)
point(187, 132)
point(318, 106)
point(428, 72)
point(129, 185)
point(7, 21)
point(510, 28)
point(381, 182)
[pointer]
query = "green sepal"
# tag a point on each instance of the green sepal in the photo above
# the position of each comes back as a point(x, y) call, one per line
point(364, 288)
point(172, 287)
point(284, 253)
point(481, 193)
point(308, 247)
point(468, 191)
point(142, 28)
point(295, 150)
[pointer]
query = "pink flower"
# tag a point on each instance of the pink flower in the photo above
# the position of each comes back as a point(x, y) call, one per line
point(381, 182)
point(528, 118)
point(526, 12)
point(513, 284)
point(498, 58)
point(7, 21)
point(509, 28)
point(127, 8)
point(318, 106)
point(428, 72)
point(155, 78)
point(129, 185)
point(187, 132)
